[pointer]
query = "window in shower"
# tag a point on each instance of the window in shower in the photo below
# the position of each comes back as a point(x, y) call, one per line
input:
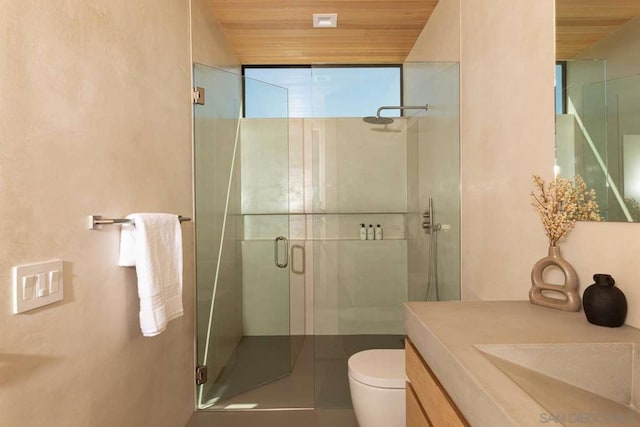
point(560, 87)
point(324, 91)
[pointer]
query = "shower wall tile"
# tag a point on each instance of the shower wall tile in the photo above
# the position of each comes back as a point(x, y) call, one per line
point(437, 137)
point(274, 171)
point(298, 226)
point(325, 287)
point(372, 287)
point(297, 187)
point(413, 169)
point(326, 169)
point(417, 242)
point(361, 286)
point(266, 227)
point(323, 133)
point(359, 167)
point(265, 291)
point(265, 170)
point(309, 142)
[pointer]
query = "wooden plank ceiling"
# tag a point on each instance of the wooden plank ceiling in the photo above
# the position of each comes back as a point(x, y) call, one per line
point(281, 31)
point(380, 31)
point(581, 23)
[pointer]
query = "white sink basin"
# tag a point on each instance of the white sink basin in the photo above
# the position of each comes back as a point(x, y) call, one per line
point(594, 381)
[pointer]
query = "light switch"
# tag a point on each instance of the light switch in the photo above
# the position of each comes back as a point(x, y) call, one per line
point(54, 281)
point(28, 285)
point(35, 285)
point(42, 287)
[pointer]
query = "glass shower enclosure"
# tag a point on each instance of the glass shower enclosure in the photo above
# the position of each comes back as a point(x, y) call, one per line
point(242, 232)
point(276, 323)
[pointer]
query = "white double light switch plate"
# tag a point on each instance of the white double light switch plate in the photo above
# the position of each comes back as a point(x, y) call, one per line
point(35, 285)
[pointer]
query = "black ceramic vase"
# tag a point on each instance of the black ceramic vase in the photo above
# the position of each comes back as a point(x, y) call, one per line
point(604, 304)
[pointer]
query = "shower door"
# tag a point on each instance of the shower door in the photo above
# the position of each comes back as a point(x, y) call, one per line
point(242, 231)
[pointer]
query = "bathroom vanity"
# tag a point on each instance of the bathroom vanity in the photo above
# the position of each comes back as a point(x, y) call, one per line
point(428, 403)
point(517, 364)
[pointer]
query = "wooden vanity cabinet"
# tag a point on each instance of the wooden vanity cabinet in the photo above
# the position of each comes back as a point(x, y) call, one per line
point(428, 403)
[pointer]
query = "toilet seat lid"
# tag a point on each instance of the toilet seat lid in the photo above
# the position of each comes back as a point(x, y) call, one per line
point(379, 368)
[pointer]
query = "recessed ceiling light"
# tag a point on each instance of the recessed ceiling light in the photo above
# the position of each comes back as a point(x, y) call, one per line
point(325, 20)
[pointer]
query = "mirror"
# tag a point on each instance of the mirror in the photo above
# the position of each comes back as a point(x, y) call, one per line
point(598, 101)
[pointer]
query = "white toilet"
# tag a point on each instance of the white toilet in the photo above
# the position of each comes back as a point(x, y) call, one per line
point(377, 381)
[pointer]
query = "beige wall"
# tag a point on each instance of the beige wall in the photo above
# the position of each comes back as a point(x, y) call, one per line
point(207, 40)
point(507, 132)
point(502, 136)
point(612, 248)
point(95, 120)
point(440, 38)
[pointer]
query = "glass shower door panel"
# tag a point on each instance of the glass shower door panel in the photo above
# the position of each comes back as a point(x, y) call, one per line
point(218, 233)
point(242, 295)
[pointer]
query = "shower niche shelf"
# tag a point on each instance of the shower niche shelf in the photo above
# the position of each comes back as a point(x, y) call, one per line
point(373, 242)
point(332, 239)
point(322, 213)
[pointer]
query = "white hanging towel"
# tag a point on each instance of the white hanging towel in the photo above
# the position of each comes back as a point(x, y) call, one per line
point(154, 246)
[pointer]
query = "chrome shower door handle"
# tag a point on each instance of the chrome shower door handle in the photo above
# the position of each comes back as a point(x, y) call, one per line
point(293, 259)
point(276, 251)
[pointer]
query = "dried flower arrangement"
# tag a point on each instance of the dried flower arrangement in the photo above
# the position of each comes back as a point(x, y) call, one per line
point(561, 203)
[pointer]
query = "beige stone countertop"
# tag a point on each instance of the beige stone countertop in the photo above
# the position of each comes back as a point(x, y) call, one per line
point(449, 336)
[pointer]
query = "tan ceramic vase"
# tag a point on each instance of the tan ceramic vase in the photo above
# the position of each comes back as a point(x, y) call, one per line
point(571, 300)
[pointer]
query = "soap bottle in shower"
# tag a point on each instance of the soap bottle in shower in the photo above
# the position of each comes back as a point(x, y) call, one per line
point(370, 233)
point(378, 232)
point(363, 232)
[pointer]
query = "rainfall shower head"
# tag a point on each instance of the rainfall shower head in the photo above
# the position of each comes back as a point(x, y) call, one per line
point(379, 120)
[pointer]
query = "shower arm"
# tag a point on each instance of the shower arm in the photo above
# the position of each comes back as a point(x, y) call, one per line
point(399, 107)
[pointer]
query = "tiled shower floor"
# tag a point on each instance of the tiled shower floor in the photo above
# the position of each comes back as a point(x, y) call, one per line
point(317, 385)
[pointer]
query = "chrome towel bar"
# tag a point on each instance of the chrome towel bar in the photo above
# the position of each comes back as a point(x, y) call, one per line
point(96, 221)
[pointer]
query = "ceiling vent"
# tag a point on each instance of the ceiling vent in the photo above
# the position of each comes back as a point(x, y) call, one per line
point(325, 20)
